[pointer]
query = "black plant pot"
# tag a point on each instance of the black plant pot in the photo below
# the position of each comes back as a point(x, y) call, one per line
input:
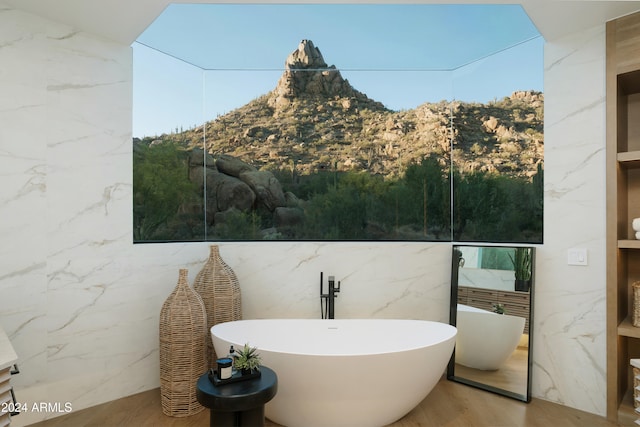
point(249, 373)
point(523, 285)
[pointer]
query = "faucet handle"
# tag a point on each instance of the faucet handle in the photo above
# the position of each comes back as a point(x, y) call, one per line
point(332, 284)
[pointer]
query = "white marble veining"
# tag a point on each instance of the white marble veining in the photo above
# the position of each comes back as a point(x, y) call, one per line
point(502, 280)
point(393, 280)
point(570, 341)
point(80, 303)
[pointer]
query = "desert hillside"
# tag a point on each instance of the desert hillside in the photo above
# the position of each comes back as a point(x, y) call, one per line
point(314, 119)
point(317, 159)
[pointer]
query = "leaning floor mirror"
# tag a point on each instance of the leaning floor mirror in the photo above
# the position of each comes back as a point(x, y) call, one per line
point(492, 308)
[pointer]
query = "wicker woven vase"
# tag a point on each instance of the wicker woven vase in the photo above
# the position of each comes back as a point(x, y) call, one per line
point(183, 321)
point(218, 286)
point(635, 315)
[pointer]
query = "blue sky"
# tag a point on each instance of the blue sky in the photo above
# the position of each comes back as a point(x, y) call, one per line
point(198, 61)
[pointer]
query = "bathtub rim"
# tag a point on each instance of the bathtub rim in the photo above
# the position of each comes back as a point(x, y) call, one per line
point(452, 332)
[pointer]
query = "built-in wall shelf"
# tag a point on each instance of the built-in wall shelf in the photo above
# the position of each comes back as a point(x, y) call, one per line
point(626, 412)
point(629, 244)
point(623, 205)
point(629, 158)
point(626, 329)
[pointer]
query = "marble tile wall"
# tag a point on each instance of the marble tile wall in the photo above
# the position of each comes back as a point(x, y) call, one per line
point(570, 317)
point(486, 278)
point(80, 302)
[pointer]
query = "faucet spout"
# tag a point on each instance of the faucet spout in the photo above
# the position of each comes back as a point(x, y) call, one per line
point(327, 310)
point(333, 290)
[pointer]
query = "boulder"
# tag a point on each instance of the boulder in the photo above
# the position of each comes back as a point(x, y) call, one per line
point(232, 165)
point(266, 188)
point(197, 158)
point(230, 192)
point(490, 124)
point(287, 217)
point(197, 173)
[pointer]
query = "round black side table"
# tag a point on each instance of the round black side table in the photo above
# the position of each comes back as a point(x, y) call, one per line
point(238, 404)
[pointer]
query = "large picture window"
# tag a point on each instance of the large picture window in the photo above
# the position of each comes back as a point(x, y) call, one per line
point(338, 122)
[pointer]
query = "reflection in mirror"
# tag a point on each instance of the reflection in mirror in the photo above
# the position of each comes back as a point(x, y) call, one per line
point(491, 306)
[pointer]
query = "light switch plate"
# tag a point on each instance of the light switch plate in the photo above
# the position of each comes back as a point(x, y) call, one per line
point(577, 256)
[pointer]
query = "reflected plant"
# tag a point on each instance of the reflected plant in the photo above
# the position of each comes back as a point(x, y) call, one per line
point(522, 263)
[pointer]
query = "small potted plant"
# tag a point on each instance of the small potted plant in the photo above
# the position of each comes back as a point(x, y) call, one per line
point(522, 266)
point(248, 360)
point(499, 308)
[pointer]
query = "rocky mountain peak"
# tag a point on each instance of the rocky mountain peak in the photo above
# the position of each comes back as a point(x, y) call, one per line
point(306, 56)
point(307, 75)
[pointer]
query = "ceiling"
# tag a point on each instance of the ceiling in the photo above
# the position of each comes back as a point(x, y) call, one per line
point(124, 20)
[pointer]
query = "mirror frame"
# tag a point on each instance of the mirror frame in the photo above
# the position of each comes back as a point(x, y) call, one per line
point(453, 311)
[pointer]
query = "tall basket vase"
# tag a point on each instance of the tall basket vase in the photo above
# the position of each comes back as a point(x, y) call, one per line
point(218, 286)
point(183, 321)
point(635, 315)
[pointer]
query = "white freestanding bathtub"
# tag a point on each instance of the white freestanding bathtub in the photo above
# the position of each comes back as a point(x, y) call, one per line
point(344, 372)
point(485, 339)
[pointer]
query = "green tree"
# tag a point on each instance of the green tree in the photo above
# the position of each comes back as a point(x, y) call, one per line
point(345, 209)
point(426, 203)
point(161, 189)
point(491, 207)
point(240, 226)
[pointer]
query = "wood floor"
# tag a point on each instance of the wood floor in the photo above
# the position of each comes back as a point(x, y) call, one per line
point(512, 375)
point(448, 405)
